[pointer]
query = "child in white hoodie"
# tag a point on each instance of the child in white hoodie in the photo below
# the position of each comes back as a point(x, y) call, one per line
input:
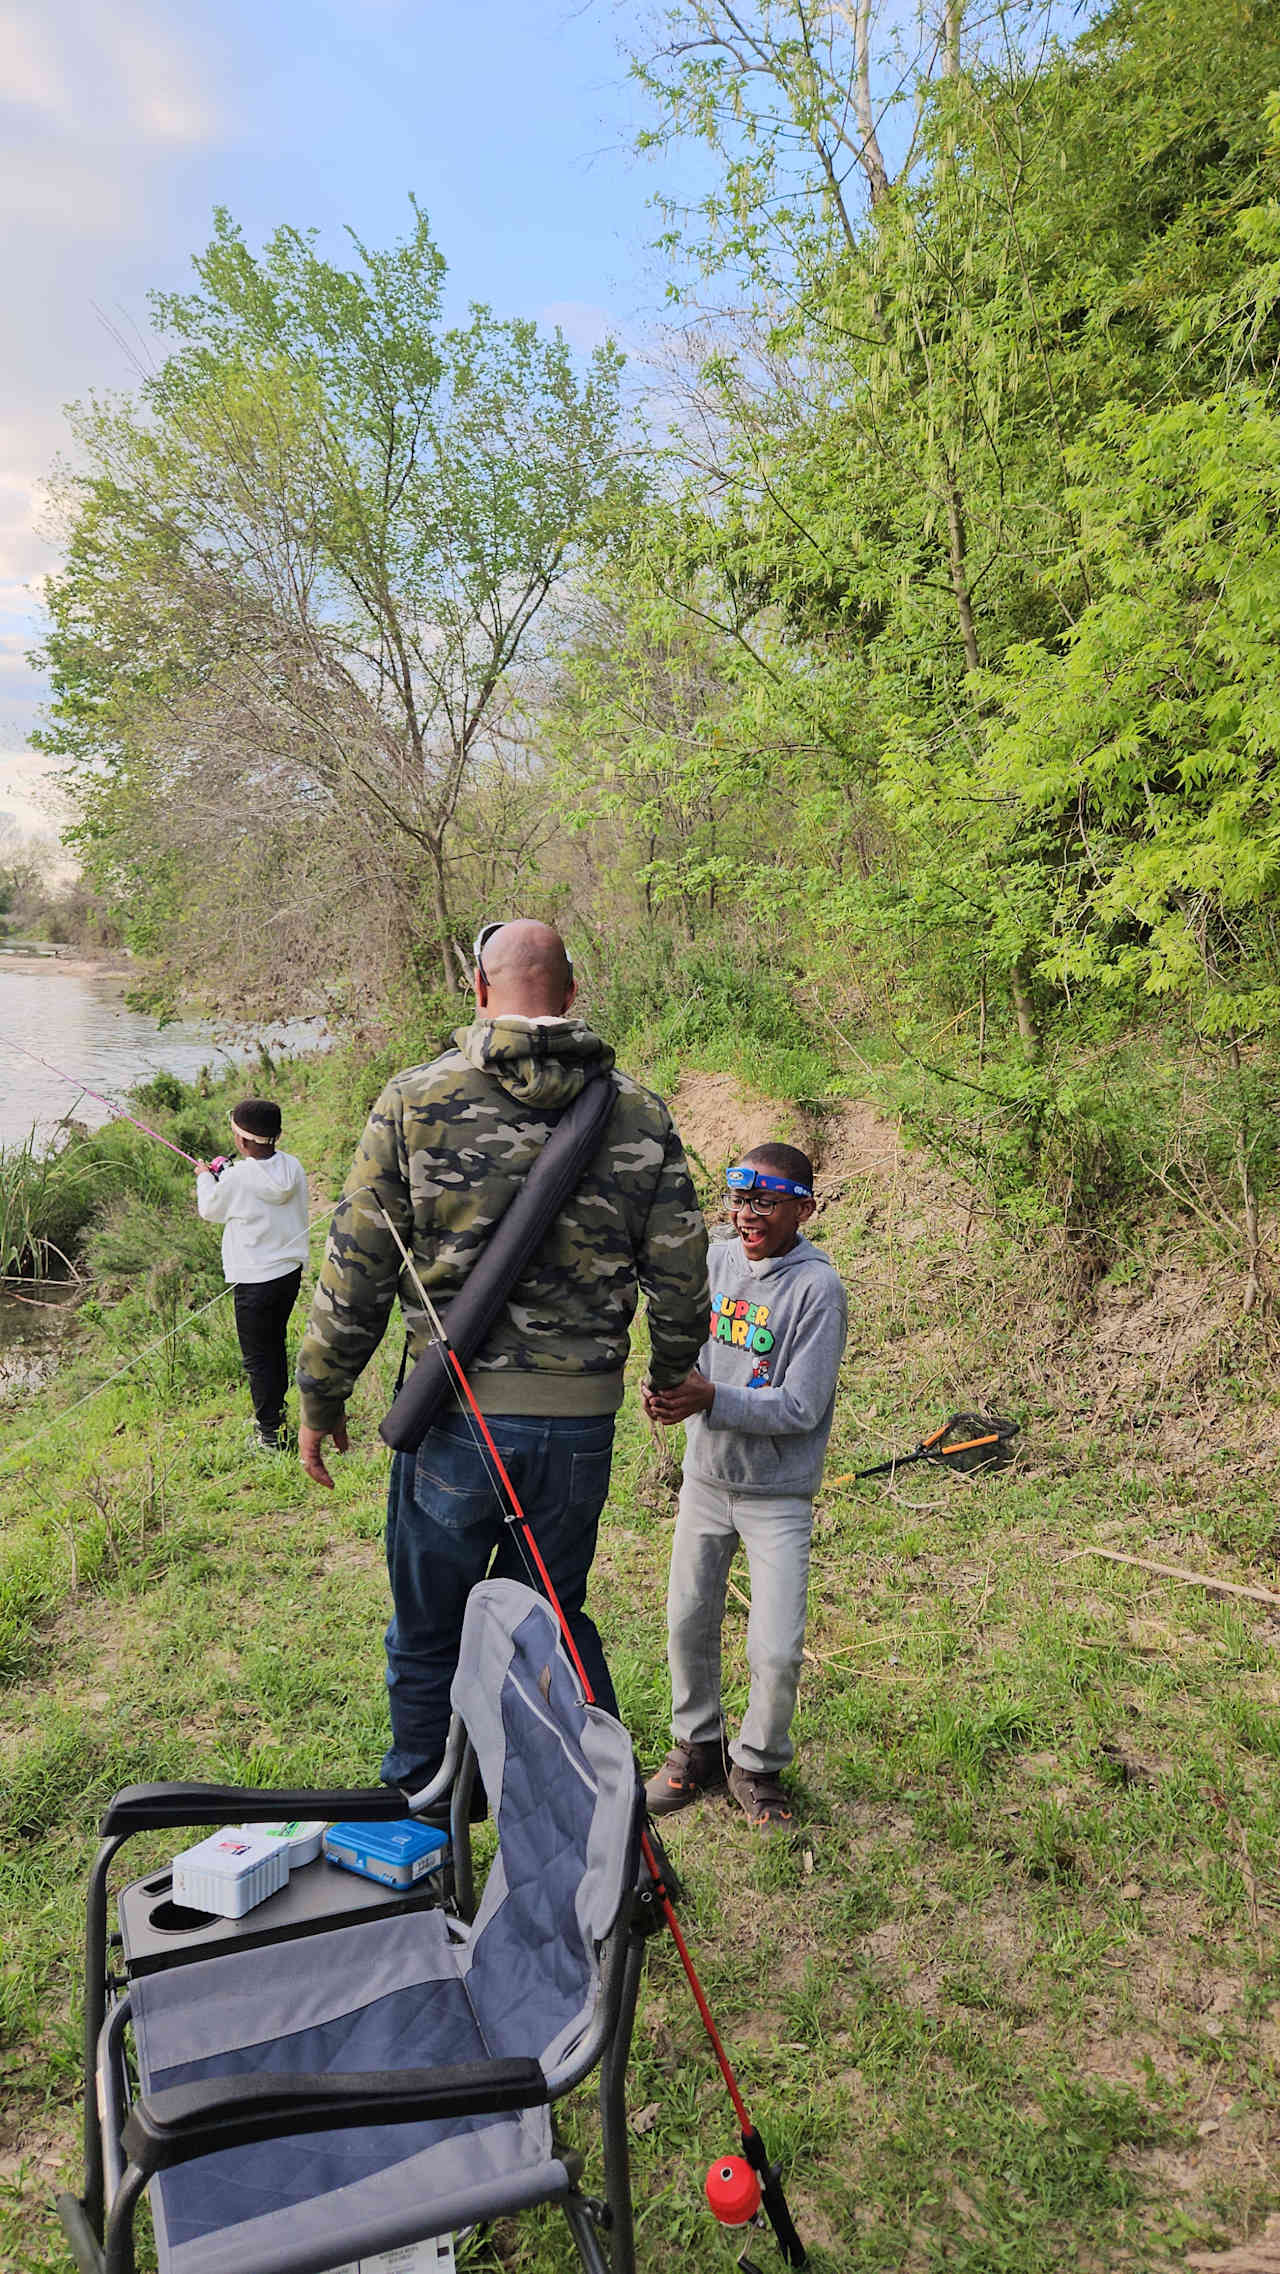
point(261, 1199)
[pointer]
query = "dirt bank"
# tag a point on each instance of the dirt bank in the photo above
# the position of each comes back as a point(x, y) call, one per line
point(1152, 1357)
point(71, 962)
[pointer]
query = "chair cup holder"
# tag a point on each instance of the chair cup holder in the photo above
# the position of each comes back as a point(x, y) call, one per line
point(168, 1917)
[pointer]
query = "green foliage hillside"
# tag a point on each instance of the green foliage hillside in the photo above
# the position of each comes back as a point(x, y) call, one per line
point(946, 675)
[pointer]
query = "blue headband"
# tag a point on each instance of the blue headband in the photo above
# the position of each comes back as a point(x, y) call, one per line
point(759, 1180)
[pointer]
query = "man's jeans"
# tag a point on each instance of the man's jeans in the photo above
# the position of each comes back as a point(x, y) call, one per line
point(775, 1534)
point(446, 1530)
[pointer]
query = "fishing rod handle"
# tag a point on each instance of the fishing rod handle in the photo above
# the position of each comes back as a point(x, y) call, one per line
point(773, 2200)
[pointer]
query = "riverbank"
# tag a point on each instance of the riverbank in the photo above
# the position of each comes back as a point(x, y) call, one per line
point(1010, 1999)
point(68, 1031)
point(73, 963)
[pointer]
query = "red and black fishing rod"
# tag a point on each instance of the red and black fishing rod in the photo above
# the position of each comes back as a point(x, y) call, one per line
point(772, 2198)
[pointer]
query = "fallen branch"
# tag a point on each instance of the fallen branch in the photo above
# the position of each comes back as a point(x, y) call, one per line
point(1188, 1578)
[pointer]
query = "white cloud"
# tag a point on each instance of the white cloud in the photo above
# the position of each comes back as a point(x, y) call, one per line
point(109, 69)
point(175, 116)
point(31, 792)
point(21, 690)
point(110, 107)
point(29, 69)
point(164, 84)
point(26, 554)
point(51, 188)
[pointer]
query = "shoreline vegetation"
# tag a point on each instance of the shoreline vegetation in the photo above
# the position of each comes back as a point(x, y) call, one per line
point(59, 1199)
point(1010, 1998)
point(919, 675)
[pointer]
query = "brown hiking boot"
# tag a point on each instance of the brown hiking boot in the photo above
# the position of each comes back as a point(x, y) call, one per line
point(690, 1769)
point(760, 1796)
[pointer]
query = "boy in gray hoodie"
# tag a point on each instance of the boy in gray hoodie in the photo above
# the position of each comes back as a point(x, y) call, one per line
point(757, 1411)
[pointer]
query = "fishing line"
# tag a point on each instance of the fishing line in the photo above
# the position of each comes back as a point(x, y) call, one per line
point(771, 2194)
point(118, 1112)
point(9, 1460)
point(772, 2197)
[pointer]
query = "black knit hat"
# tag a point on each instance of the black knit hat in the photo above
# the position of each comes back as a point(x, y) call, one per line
point(258, 1118)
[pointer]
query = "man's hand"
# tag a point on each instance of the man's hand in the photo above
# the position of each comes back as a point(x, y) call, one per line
point(310, 1453)
point(694, 1395)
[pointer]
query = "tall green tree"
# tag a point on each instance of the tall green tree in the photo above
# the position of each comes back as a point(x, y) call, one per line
point(309, 569)
point(939, 317)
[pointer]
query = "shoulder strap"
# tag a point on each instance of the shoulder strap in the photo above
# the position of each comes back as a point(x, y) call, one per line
point(511, 1247)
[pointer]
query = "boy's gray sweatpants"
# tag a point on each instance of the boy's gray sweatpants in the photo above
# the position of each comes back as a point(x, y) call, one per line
point(775, 1534)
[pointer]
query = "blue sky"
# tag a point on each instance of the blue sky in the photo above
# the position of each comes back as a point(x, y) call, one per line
point(124, 122)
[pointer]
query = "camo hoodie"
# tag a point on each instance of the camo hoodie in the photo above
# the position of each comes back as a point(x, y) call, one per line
point(445, 1148)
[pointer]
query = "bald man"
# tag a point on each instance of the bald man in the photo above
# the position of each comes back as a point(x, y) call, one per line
point(446, 1147)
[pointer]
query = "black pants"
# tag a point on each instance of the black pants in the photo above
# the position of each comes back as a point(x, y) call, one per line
point(262, 1314)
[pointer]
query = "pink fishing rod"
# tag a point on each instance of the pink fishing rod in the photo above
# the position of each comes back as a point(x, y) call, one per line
point(118, 1112)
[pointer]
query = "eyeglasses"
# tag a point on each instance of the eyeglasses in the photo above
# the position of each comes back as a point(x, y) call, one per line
point(760, 1203)
point(481, 942)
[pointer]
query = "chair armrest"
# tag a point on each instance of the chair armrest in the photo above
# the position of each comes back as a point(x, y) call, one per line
point(187, 2121)
point(163, 1807)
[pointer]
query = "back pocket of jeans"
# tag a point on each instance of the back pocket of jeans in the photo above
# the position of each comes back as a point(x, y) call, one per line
point(452, 1484)
point(589, 1475)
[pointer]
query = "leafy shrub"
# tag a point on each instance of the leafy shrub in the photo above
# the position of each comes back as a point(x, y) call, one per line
point(164, 1093)
point(710, 1003)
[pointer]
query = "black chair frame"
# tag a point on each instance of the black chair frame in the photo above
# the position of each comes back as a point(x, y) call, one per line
point(128, 2137)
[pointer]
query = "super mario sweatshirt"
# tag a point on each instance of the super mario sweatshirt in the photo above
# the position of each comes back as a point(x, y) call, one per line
point(776, 1339)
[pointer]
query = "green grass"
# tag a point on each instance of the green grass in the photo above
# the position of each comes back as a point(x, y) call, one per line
point(54, 1201)
point(46, 1198)
point(1010, 1998)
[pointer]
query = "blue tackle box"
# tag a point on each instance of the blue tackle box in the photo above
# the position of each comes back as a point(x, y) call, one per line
point(398, 1855)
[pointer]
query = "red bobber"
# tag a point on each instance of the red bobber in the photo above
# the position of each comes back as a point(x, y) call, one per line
point(733, 2191)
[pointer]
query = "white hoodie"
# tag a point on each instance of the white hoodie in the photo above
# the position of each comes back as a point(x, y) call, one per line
point(263, 1205)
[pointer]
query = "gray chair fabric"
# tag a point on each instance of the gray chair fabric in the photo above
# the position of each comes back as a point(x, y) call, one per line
point(415, 1991)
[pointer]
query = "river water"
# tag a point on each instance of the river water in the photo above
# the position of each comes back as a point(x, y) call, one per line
point(76, 1018)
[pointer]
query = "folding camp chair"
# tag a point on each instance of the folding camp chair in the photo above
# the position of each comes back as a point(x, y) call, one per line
point(297, 2101)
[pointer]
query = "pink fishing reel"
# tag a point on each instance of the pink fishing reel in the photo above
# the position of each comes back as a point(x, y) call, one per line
point(220, 1162)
